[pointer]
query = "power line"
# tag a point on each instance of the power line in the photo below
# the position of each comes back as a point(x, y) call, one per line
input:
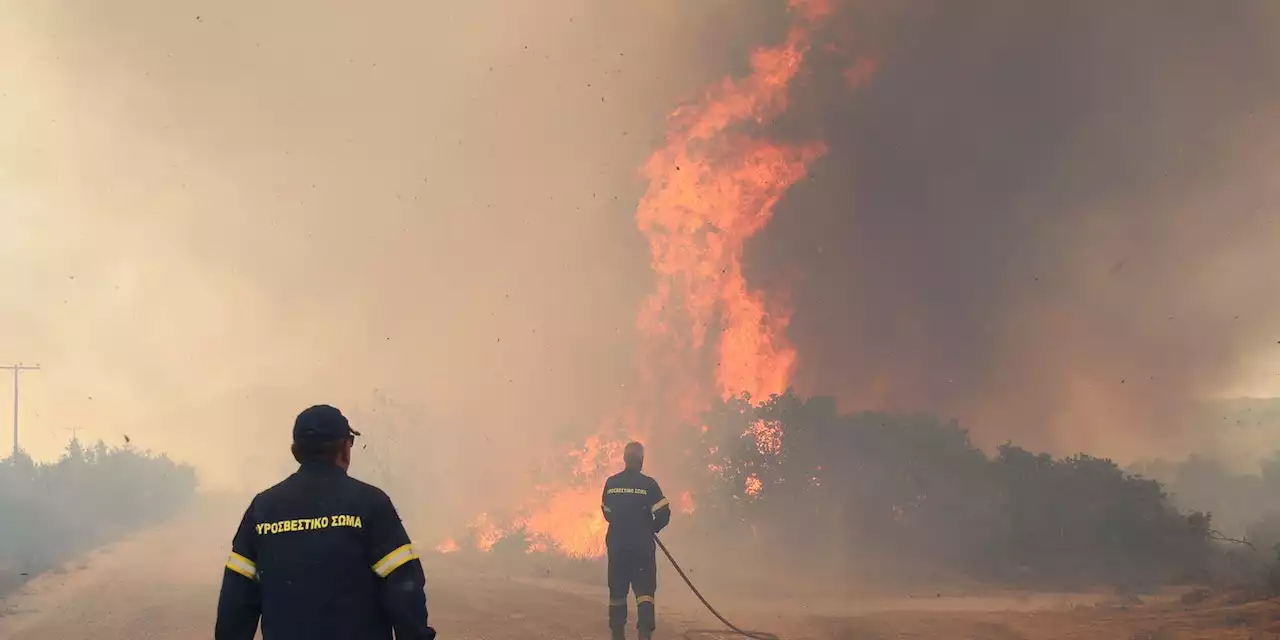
point(17, 369)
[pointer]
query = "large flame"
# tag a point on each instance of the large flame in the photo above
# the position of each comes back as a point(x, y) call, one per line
point(711, 187)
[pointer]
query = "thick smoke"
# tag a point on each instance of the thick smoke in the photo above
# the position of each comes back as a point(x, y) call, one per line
point(216, 214)
point(1047, 218)
point(1053, 220)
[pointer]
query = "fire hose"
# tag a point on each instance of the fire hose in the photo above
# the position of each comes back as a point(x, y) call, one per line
point(757, 635)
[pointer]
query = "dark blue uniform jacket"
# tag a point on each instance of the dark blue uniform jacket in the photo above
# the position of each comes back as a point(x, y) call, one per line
point(322, 556)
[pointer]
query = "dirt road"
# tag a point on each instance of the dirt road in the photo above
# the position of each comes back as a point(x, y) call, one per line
point(163, 583)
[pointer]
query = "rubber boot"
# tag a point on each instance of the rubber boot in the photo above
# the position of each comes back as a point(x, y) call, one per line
point(646, 635)
point(619, 635)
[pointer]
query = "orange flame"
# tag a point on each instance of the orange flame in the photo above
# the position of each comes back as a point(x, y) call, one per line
point(486, 532)
point(711, 187)
point(768, 435)
point(448, 545)
point(571, 521)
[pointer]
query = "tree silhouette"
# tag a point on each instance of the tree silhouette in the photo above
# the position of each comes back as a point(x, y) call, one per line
point(791, 471)
point(90, 495)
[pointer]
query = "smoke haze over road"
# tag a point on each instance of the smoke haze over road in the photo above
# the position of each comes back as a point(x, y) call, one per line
point(1053, 221)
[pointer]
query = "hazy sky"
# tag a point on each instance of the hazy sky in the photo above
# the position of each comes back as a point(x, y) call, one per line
point(213, 214)
point(216, 213)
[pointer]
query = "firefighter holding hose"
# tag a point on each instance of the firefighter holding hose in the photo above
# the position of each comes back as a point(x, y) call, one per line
point(636, 510)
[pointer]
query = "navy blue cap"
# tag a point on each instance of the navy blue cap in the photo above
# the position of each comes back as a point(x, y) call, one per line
point(322, 423)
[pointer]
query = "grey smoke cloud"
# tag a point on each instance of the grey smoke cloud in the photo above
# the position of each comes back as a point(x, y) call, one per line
point(1053, 220)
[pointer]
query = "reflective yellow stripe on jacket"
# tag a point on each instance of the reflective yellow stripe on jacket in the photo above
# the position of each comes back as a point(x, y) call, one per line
point(242, 566)
point(394, 560)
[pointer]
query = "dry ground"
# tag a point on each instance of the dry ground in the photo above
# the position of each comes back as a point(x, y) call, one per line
point(163, 583)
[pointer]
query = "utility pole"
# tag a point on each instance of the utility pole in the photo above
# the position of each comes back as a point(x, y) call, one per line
point(17, 369)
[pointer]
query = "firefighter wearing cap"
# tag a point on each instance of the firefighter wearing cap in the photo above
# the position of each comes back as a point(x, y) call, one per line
point(322, 555)
point(636, 510)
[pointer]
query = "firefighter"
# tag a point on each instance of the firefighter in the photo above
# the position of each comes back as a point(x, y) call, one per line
point(322, 555)
point(636, 510)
